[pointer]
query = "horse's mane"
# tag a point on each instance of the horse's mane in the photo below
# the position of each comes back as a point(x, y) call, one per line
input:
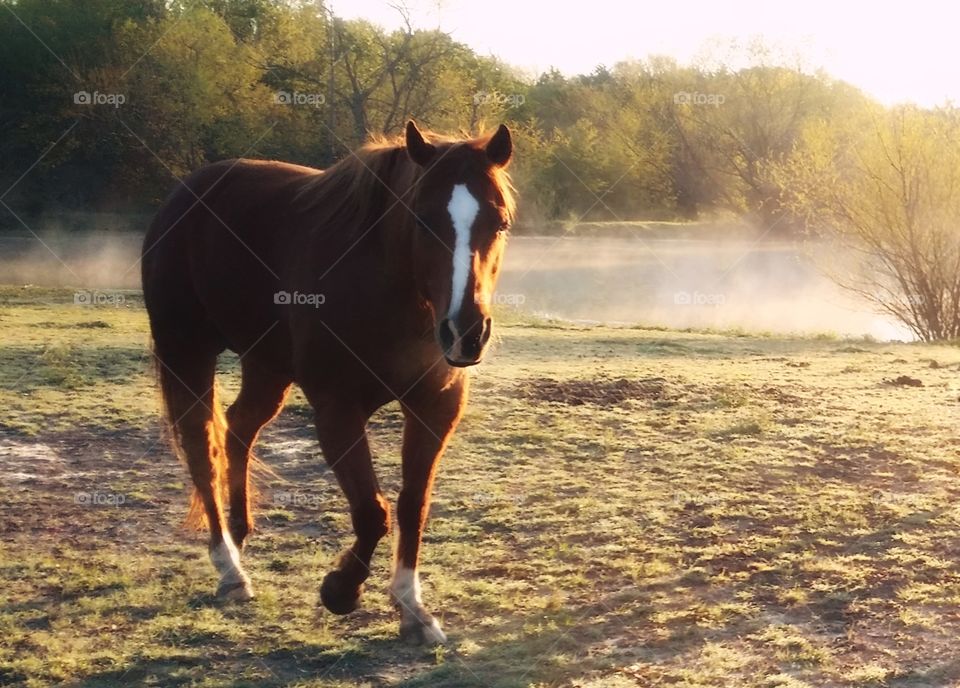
point(349, 197)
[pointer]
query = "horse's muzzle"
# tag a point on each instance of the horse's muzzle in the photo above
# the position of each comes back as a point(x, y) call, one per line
point(466, 349)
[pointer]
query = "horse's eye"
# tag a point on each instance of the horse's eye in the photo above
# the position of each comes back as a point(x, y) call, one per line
point(503, 227)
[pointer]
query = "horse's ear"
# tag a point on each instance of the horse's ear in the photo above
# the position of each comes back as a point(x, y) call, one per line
point(500, 147)
point(418, 149)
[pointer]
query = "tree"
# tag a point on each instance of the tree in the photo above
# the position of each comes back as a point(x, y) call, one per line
point(195, 97)
point(387, 76)
point(734, 125)
point(892, 193)
point(41, 80)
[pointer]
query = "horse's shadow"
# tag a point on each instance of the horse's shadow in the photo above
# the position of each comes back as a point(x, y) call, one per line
point(294, 665)
point(509, 664)
point(536, 643)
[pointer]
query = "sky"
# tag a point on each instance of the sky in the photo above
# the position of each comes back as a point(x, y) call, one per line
point(895, 51)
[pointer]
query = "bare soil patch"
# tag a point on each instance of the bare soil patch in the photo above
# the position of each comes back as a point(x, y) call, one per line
point(599, 391)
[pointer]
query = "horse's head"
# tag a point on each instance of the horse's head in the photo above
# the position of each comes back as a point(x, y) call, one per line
point(463, 208)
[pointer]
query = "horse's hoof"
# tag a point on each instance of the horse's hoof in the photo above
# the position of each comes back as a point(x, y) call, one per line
point(422, 632)
point(235, 591)
point(337, 595)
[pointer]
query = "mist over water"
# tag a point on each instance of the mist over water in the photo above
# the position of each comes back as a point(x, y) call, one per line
point(765, 287)
point(90, 260)
point(759, 287)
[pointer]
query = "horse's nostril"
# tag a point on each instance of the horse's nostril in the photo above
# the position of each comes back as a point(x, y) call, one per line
point(446, 334)
point(464, 345)
point(487, 329)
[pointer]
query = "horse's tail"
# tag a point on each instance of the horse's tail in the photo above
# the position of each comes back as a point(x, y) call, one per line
point(177, 403)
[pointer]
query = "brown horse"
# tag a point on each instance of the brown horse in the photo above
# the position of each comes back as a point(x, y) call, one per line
point(363, 284)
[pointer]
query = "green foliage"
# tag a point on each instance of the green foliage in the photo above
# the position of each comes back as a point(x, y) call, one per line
point(888, 182)
point(204, 80)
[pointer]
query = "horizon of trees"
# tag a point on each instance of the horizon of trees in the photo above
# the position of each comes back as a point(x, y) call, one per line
point(118, 98)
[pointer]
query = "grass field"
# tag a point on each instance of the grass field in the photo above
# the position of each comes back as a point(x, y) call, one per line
point(621, 507)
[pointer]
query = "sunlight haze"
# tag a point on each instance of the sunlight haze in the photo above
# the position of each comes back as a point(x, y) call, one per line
point(894, 51)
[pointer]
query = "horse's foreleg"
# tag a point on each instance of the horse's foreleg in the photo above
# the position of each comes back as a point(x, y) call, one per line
point(430, 420)
point(343, 438)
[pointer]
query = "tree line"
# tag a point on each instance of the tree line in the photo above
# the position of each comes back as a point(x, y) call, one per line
point(141, 92)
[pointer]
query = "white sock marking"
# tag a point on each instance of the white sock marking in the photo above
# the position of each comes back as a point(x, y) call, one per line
point(406, 588)
point(463, 209)
point(226, 559)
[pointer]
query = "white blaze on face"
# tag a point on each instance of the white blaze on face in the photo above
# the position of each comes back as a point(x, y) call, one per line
point(463, 209)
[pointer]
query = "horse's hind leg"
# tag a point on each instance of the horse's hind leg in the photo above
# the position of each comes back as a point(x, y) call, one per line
point(187, 381)
point(261, 397)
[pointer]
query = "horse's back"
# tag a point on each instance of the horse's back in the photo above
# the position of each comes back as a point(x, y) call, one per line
point(219, 243)
point(240, 198)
